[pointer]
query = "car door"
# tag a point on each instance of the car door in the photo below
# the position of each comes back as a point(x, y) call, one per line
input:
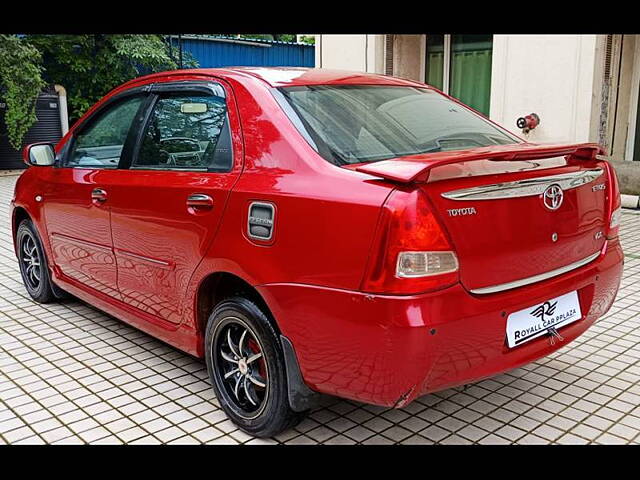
point(166, 206)
point(76, 207)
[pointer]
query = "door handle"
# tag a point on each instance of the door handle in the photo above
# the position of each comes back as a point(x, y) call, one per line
point(98, 195)
point(199, 200)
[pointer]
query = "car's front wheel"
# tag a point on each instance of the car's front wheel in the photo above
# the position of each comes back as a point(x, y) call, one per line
point(33, 263)
point(247, 370)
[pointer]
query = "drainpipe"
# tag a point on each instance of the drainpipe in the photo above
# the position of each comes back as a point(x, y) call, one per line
point(64, 116)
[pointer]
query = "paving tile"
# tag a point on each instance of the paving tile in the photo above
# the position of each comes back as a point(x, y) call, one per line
point(169, 434)
point(18, 434)
point(380, 440)
point(71, 374)
point(206, 434)
point(341, 424)
point(471, 432)
point(94, 434)
point(185, 440)
point(10, 424)
point(570, 439)
point(397, 433)
point(46, 425)
point(435, 433)
point(148, 440)
point(340, 440)
point(71, 440)
point(110, 440)
point(531, 439)
point(623, 431)
point(510, 433)
point(608, 439)
point(34, 440)
point(586, 432)
point(131, 434)
point(360, 433)
point(494, 440)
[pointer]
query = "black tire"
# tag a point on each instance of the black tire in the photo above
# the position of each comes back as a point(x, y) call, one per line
point(33, 263)
point(259, 411)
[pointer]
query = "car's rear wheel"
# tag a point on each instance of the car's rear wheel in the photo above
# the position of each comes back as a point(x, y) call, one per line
point(33, 263)
point(247, 370)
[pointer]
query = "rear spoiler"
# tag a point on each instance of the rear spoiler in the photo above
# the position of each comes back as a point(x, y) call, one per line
point(416, 168)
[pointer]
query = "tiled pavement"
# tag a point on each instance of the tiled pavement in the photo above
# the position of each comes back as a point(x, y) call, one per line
point(71, 374)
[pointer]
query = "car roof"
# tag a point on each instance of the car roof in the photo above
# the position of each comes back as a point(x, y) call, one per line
point(293, 76)
point(287, 76)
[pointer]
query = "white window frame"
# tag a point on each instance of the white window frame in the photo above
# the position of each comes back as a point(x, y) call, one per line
point(446, 61)
point(446, 67)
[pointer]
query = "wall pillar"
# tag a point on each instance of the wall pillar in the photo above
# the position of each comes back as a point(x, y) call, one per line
point(364, 53)
point(409, 55)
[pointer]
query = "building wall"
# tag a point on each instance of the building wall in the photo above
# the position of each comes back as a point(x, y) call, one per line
point(409, 57)
point(364, 53)
point(555, 76)
point(619, 97)
point(551, 75)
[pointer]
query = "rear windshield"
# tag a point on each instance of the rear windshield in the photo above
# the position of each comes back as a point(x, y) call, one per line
point(349, 124)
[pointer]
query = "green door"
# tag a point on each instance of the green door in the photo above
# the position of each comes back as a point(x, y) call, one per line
point(469, 69)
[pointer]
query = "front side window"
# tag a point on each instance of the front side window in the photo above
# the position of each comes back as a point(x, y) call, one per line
point(100, 143)
point(186, 132)
point(363, 123)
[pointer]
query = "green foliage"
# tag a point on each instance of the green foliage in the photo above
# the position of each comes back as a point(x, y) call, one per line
point(89, 66)
point(279, 37)
point(256, 36)
point(309, 39)
point(188, 60)
point(287, 37)
point(20, 85)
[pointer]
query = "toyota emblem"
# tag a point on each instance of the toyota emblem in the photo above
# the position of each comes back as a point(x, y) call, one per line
point(553, 196)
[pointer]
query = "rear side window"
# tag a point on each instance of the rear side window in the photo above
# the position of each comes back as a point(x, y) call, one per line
point(99, 144)
point(363, 123)
point(186, 132)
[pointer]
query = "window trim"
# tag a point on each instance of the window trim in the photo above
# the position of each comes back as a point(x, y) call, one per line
point(210, 88)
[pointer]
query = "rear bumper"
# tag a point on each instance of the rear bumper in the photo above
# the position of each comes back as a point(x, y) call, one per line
point(388, 350)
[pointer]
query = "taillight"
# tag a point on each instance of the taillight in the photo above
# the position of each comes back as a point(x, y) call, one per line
point(424, 264)
point(614, 223)
point(615, 203)
point(411, 253)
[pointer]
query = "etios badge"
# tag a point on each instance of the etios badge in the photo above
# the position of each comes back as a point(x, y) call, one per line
point(553, 196)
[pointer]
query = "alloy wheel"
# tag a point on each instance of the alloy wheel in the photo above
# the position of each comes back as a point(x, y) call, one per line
point(242, 367)
point(30, 262)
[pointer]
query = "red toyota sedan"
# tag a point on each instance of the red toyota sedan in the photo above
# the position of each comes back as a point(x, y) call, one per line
point(319, 231)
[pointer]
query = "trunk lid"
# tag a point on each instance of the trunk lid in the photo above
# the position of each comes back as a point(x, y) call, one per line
point(515, 214)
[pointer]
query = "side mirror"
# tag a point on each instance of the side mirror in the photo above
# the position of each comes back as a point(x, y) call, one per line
point(39, 154)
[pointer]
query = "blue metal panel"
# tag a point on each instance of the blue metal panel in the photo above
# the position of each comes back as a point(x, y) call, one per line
point(212, 53)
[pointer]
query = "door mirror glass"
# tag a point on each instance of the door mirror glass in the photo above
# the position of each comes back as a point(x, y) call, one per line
point(41, 155)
